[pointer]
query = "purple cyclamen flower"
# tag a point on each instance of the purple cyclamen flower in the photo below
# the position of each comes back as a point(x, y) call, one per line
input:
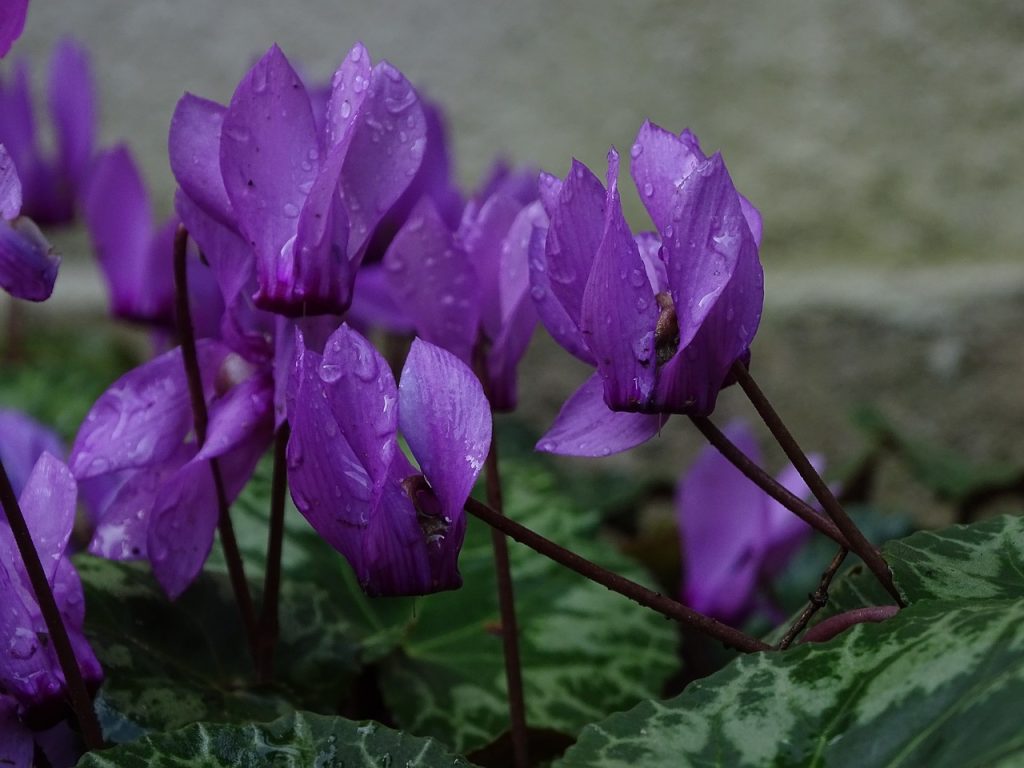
point(734, 536)
point(138, 439)
point(662, 315)
point(400, 528)
point(24, 441)
point(136, 255)
point(467, 287)
point(29, 670)
point(28, 266)
point(305, 200)
point(52, 185)
point(12, 23)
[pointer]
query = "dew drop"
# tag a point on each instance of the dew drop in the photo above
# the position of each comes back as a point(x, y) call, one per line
point(648, 189)
point(636, 150)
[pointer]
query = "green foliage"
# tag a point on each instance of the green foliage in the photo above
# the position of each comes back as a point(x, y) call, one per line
point(295, 741)
point(937, 685)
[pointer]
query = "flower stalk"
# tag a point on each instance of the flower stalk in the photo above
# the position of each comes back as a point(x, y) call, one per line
point(815, 601)
point(81, 701)
point(269, 626)
point(858, 543)
point(648, 598)
point(232, 556)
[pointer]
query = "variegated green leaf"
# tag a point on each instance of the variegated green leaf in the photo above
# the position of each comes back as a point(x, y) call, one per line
point(297, 740)
point(939, 685)
point(586, 652)
point(168, 664)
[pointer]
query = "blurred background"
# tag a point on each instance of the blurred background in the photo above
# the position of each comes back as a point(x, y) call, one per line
point(882, 141)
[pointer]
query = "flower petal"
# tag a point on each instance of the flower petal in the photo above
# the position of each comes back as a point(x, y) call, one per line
point(12, 22)
point(649, 245)
point(552, 314)
point(660, 163)
point(710, 246)
point(446, 419)
point(72, 104)
point(28, 265)
point(619, 312)
point(143, 418)
point(24, 441)
point(120, 222)
point(10, 186)
point(16, 743)
point(574, 235)
point(243, 414)
point(269, 159)
point(434, 281)
point(786, 533)
point(48, 504)
point(228, 255)
point(194, 149)
point(407, 551)
point(374, 304)
point(482, 236)
point(587, 427)
point(385, 149)
point(722, 523)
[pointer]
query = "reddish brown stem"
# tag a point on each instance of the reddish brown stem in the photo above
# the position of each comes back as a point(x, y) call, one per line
point(833, 625)
point(616, 583)
point(232, 555)
point(269, 628)
point(815, 601)
point(857, 541)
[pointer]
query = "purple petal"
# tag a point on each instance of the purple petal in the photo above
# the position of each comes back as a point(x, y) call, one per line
point(349, 86)
point(711, 245)
point(269, 160)
point(12, 22)
point(143, 418)
point(243, 414)
point(27, 669)
point(722, 523)
point(117, 212)
point(575, 233)
point(331, 485)
point(48, 503)
point(660, 163)
point(28, 265)
point(72, 104)
point(374, 304)
point(67, 591)
point(434, 281)
point(407, 551)
point(753, 219)
point(10, 186)
point(549, 187)
point(388, 135)
point(16, 743)
point(229, 256)
point(446, 420)
point(24, 441)
point(194, 149)
point(587, 427)
point(505, 353)
point(549, 309)
point(17, 120)
point(619, 312)
point(482, 236)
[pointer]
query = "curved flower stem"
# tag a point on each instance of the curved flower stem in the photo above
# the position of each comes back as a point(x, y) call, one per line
point(766, 482)
point(81, 701)
point(616, 583)
point(833, 625)
point(816, 601)
point(269, 627)
point(857, 541)
point(236, 570)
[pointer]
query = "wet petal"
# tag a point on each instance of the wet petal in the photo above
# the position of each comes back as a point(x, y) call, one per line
point(722, 518)
point(144, 416)
point(269, 159)
point(711, 246)
point(574, 235)
point(28, 265)
point(194, 149)
point(587, 427)
point(244, 413)
point(48, 503)
point(410, 552)
point(649, 245)
point(482, 238)
point(619, 312)
point(228, 255)
point(434, 281)
point(374, 304)
point(660, 163)
point(446, 420)
point(16, 743)
point(552, 314)
point(72, 104)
